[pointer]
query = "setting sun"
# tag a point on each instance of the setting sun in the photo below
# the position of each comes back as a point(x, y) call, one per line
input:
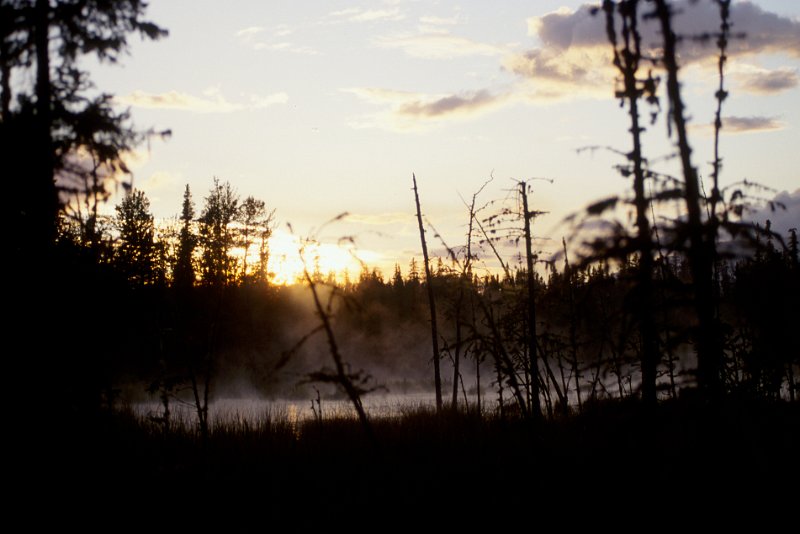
point(286, 261)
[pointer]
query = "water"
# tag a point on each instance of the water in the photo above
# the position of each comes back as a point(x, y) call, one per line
point(252, 410)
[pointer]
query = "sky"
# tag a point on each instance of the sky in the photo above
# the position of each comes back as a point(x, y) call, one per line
point(325, 107)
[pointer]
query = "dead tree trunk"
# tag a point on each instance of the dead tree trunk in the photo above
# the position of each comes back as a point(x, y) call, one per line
point(527, 215)
point(342, 377)
point(626, 59)
point(709, 346)
point(569, 279)
point(431, 301)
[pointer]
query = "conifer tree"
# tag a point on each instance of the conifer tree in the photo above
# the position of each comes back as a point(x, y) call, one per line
point(136, 252)
point(184, 274)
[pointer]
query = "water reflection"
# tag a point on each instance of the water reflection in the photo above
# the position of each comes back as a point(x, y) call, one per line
point(256, 410)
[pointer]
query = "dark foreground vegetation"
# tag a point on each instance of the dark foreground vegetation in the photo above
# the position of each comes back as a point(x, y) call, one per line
point(682, 464)
point(654, 371)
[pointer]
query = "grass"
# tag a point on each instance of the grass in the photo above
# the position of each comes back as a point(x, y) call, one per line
point(273, 471)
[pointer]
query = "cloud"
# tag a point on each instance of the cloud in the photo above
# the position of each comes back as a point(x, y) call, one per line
point(407, 110)
point(564, 28)
point(160, 179)
point(378, 14)
point(211, 102)
point(430, 24)
point(282, 30)
point(741, 125)
point(557, 71)
point(750, 124)
point(349, 11)
point(179, 101)
point(573, 58)
point(259, 102)
point(765, 32)
point(463, 104)
point(764, 81)
point(253, 37)
point(247, 33)
point(440, 45)
point(366, 15)
point(287, 47)
point(439, 21)
point(781, 219)
point(573, 52)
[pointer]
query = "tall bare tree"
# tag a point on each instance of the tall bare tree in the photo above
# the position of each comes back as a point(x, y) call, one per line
point(708, 340)
point(437, 379)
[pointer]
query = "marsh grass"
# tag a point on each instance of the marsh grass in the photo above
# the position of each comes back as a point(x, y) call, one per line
point(271, 471)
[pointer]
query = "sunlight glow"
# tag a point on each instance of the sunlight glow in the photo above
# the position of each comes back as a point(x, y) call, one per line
point(286, 262)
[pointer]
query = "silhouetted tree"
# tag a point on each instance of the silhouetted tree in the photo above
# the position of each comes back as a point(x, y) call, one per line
point(627, 56)
point(530, 283)
point(217, 237)
point(183, 272)
point(437, 380)
point(58, 133)
point(136, 251)
point(709, 345)
point(55, 129)
point(256, 223)
point(397, 279)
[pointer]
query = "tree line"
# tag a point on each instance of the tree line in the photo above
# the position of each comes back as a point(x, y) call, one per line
point(121, 299)
point(228, 242)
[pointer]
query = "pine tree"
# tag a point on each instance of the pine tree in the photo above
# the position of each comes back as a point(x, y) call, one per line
point(184, 274)
point(136, 252)
point(55, 128)
point(217, 236)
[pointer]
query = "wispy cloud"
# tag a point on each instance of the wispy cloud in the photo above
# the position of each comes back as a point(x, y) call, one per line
point(345, 13)
point(378, 14)
point(250, 32)
point(740, 125)
point(430, 24)
point(212, 101)
point(405, 111)
point(354, 14)
point(439, 21)
point(460, 104)
point(269, 100)
point(751, 124)
point(179, 101)
point(259, 38)
point(252, 36)
point(282, 30)
point(287, 47)
point(764, 81)
point(440, 46)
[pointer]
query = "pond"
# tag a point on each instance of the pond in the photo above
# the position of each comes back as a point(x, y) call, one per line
point(254, 409)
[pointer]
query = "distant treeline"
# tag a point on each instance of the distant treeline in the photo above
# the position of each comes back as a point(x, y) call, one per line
point(179, 315)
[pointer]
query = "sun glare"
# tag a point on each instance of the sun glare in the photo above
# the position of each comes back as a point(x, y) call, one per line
point(286, 263)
